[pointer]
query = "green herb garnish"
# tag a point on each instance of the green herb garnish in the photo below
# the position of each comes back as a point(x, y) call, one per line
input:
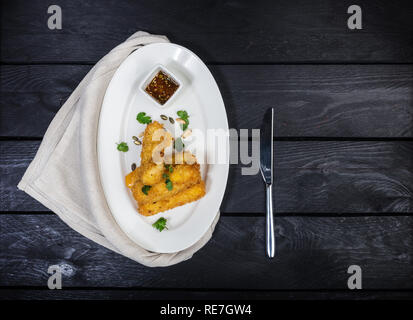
point(184, 116)
point(169, 168)
point(143, 118)
point(160, 224)
point(179, 145)
point(165, 176)
point(145, 189)
point(168, 184)
point(122, 147)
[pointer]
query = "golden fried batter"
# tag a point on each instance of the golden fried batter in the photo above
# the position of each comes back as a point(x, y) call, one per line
point(155, 136)
point(185, 173)
point(152, 173)
point(133, 177)
point(191, 194)
point(157, 186)
point(182, 177)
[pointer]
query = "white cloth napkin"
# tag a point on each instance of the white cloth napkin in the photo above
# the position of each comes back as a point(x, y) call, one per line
point(64, 175)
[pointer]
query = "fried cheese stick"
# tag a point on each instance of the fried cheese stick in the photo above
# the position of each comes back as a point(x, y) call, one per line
point(154, 136)
point(190, 194)
point(182, 177)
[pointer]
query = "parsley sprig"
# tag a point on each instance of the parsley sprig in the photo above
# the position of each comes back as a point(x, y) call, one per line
point(123, 146)
point(169, 167)
point(143, 118)
point(184, 116)
point(160, 224)
point(168, 184)
point(145, 189)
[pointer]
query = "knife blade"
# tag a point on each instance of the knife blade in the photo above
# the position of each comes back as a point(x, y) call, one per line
point(266, 168)
point(266, 145)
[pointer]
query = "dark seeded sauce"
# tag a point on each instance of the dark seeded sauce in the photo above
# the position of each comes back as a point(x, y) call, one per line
point(162, 87)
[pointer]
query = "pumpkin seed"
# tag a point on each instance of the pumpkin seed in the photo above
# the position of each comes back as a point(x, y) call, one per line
point(171, 120)
point(163, 117)
point(133, 166)
point(135, 138)
point(137, 142)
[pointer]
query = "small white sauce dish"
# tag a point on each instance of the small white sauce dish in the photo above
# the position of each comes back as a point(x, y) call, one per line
point(149, 78)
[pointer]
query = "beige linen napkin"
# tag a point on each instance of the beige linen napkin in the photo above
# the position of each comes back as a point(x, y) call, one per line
point(64, 175)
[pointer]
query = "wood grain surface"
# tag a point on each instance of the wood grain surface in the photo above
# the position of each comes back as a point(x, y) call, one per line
point(29, 293)
point(310, 177)
point(312, 253)
point(310, 101)
point(343, 150)
point(219, 31)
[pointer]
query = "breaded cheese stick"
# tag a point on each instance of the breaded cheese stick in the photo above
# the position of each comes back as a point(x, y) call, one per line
point(148, 174)
point(154, 135)
point(152, 173)
point(190, 194)
point(157, 192)
point(133, 177)
point(182, 177)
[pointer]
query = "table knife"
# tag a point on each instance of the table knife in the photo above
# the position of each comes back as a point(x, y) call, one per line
point(266, 167)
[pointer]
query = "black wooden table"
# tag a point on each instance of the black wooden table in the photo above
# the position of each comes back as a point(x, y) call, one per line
point(343, 147)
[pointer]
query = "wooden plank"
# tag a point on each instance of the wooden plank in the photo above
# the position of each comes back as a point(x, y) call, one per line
point(312, 254)
point(310, 101)
point(311, 177)
point(159, 294)
point(229, 31)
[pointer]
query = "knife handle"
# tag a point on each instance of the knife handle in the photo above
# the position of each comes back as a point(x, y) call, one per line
point(270, 224)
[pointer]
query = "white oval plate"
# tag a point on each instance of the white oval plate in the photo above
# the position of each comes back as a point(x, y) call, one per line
point(201, 98)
